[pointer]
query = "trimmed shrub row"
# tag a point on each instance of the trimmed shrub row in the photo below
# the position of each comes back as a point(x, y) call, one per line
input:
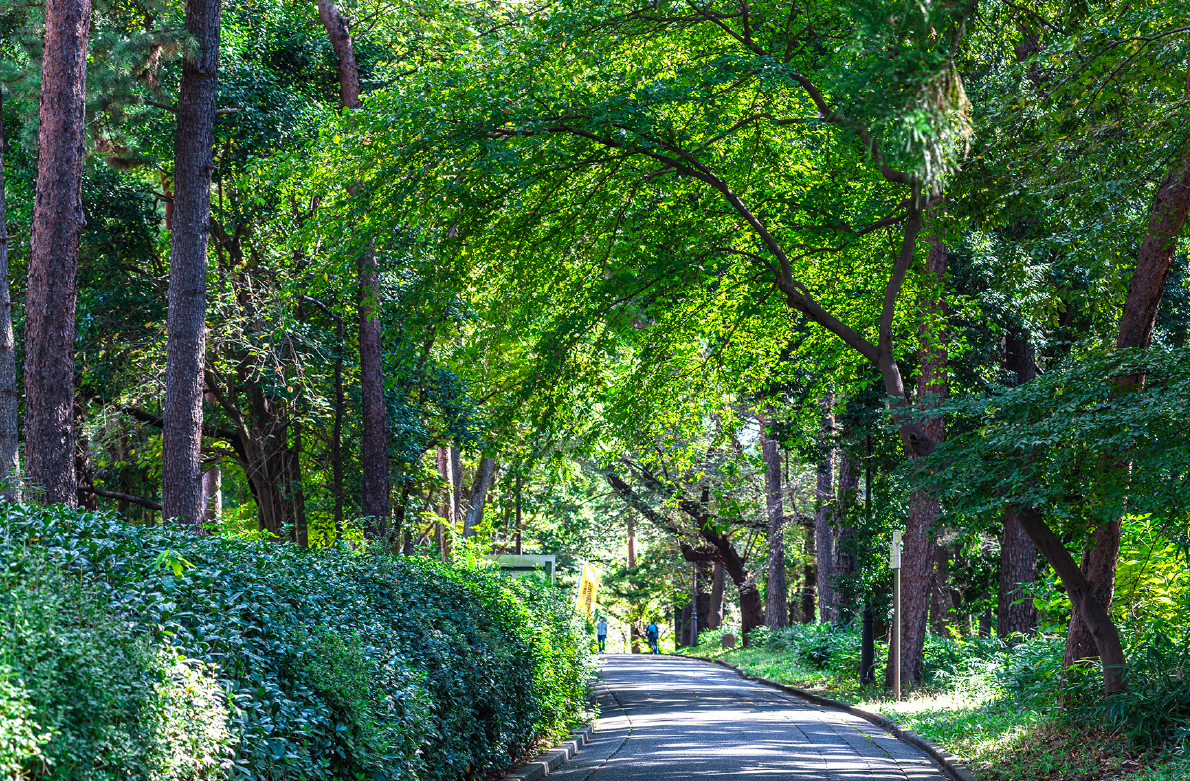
point(147, 653)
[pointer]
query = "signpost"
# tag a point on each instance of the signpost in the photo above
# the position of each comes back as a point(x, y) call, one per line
point(894, 561)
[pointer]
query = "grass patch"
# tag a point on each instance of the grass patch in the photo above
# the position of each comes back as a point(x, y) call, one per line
point(992, 707)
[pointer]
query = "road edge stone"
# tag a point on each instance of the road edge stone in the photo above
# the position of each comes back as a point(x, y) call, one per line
point(948, 763)
point(548, 761)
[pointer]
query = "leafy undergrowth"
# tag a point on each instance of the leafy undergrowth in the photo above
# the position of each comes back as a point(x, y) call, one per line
point(995, 707)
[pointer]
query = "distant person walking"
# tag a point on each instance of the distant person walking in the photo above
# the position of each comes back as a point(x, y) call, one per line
point(601, 633)
point(652, 633)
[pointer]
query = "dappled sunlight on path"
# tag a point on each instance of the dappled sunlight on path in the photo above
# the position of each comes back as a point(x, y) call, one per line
point(674, 719)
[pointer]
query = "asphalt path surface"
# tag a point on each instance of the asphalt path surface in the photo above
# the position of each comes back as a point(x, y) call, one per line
point(673, 719)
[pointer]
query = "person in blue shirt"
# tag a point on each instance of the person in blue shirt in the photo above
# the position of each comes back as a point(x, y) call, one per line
point(652, 633)
point(601, 633)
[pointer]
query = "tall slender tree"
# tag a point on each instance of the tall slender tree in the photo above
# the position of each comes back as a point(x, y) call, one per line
point(10, 463)
point(53, 257)
point(776, 604)
point(824, 538)
point(182, 497)
point(374, 439)
point(1015, 611)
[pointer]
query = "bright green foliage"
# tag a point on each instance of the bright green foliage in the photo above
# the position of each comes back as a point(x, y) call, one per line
point(87, 696)
point(335, 664)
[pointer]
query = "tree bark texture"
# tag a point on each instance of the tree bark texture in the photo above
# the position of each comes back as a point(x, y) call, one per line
point(340, 37)
point(940, 599)
point(10, 463)
point(917, 561)
point(776, 606)
point(374, 447)
point(181, 446)
point(632, 541)
point(824, 536)
point(1015, 611)
point(456, 485)
point(53, 257)
point(485, 475)
point(212, 494)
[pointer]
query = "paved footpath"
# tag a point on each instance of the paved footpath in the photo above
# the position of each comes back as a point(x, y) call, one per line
point(669, 719)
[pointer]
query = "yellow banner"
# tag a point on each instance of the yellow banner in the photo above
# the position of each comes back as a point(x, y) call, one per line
point(588, 588)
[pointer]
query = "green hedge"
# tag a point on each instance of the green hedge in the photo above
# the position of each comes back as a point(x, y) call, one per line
point(165, 655)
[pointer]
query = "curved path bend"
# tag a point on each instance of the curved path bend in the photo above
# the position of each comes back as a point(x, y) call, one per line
point(674, 719)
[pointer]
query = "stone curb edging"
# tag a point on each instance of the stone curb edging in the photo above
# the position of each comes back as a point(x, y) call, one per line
point(948, 763)
point(549, 761)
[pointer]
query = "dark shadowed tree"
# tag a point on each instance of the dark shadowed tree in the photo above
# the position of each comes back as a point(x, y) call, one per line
point(181, 460)
point(10, 464)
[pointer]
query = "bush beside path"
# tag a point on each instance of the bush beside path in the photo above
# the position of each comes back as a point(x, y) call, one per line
point(149, 653)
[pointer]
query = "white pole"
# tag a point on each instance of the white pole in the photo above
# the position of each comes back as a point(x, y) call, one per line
point(895, 561)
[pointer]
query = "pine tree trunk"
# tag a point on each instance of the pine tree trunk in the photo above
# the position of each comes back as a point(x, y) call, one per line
point(10, 464)
point(917, 561)
point(824, 537)
point(776, 605)
point(181, 445)
point(374, 445)
point(53, 257)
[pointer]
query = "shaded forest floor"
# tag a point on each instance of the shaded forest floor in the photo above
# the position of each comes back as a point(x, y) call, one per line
point(999, 736)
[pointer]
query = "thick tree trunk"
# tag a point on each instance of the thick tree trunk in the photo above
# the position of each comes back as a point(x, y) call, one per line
point(1015, 611)
point(718, 584)
point(53, 256)
point(10, 464)
point(340, 37)
point(181, 457)
point(917, 562)
point(374, 445)
point(776, 606)
point(485, 475)
point(824, 537)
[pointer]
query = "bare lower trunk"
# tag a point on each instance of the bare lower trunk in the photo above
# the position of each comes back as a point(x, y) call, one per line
point(776, 607)
point(374, 445)
point(456, 483)
point(10, 465)
point(181, 445)
point(824, 537)
point(940, 599)
point(446, 521)
point(917, 562)
point(718, 583)
point(485, 475)
point(809, 576)
point(53, 257)
point(212, 494)
point(1015, 611)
